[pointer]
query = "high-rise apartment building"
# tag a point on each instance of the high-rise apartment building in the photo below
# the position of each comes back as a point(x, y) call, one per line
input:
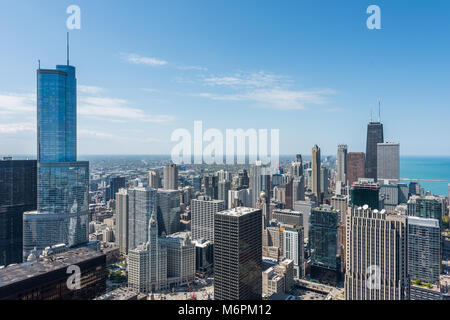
point(424, 249)
point(17, 195)
point(122, 220)
point(315, 181)
point(341, 164)
point(259, 181)
point(376, 257)
point(293, 248)
point(238, 254)
point(154, 180)
point(374, 136)
point(340, 203)
point(425, 207)
point(388, 161)
point(324, 172)
point(170, 177)
point(222, 190)
point(356, 167)
point(62, 181)
point(202, 218)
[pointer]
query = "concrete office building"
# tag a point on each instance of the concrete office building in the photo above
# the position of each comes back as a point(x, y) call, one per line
point(324, 173)
point(278, 279)
point(147, 263)
point(388, 161)
point(46, 277)
point(238, 254)
point(315, 179)
point(389, 196)
point(222, 190)
point(202, 218)
point(170, 176)
point(180, 258)
point(376, 256)
point(272, 241)
point(239, 198)
point(122, 220)
point(154, 180)
point(340, 203)
point(287, 216)
point(304, 207)
point(341, 164)
point(356, 167)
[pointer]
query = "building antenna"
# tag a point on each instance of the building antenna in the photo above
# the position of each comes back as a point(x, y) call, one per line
point(379, 110)
point(371, 114)
point(67, 47)
point(39, 63)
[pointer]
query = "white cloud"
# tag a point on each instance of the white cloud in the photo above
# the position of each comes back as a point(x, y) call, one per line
point(13, 128)
point(195, 68)
point(259, 79)
point(90, 89)
point(87, 133)
point(96, 134)
point(277, 98)
point(91, 105)
point(137, 59)
point(116, 109)
point(17, 103)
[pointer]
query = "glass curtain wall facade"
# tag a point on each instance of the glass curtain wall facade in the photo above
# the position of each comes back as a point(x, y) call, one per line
point(62, 181)
point(17, 195)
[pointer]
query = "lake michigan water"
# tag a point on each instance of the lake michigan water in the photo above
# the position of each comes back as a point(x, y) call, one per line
point(431, 168)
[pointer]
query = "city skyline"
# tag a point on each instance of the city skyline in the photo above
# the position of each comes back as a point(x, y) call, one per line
point(231, 161)
point(143, 90)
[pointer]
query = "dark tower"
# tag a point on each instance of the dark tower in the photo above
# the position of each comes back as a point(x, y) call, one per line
point(374, 136)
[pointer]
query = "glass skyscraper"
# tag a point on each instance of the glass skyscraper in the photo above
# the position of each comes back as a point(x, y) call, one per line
point(62, 181)
point(17, 195)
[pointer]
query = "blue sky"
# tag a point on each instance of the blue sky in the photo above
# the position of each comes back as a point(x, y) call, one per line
point(309, 68)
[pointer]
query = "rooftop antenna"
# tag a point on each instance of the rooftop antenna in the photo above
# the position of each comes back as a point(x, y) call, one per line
point(67, 47)
point(39, 63)
point(379, 110)
point(371, 114)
